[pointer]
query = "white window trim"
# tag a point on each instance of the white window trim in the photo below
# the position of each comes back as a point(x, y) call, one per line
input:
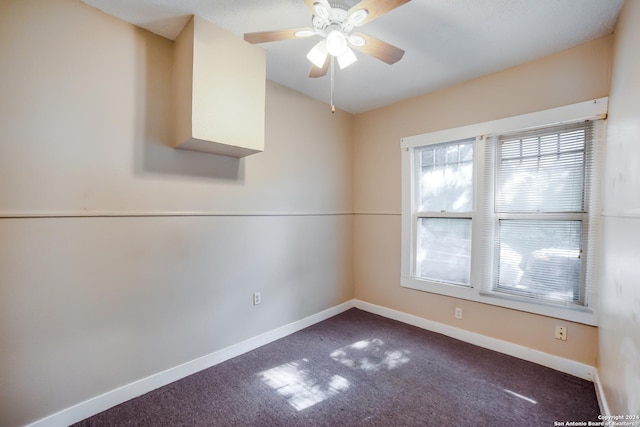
point(588, 110)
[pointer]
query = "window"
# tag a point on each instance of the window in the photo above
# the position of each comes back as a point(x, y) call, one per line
point(505, 216)
point(445, 195)
point(540, 212)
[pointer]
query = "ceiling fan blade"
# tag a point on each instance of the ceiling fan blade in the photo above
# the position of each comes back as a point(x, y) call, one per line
point(319, 72)
point(383, 51)
point(277, 35)
point(375, 8)
point(324, 3)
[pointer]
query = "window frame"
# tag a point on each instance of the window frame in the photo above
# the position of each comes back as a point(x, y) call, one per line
point(589, 110)
point(443, 214)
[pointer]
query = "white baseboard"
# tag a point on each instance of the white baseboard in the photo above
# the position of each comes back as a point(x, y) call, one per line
point(561, 364)
point(127, 392)
point(602, 397)
point(120, 395)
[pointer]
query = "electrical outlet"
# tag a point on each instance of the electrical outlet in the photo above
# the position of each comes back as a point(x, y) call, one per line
point(561, 333)
point(257, 298)
point(458, 313)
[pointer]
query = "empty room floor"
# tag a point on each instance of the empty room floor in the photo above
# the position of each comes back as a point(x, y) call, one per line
point(358, 368)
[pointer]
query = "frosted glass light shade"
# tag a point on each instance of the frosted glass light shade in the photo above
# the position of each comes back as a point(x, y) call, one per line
point(347, 58)
point(336, 43)
point(318, 54)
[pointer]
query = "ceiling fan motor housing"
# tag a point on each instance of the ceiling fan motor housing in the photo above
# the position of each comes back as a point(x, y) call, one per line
point(336, 16)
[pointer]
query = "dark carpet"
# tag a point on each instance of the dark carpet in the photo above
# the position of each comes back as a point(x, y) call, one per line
point(360, 369)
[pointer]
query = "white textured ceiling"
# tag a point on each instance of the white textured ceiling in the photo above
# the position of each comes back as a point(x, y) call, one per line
point(446, 41)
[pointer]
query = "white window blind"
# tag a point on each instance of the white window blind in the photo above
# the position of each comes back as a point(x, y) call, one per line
point(542, 170)
point(542, 219)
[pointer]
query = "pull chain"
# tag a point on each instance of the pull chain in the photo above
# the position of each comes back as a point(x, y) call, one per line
point(333, 107)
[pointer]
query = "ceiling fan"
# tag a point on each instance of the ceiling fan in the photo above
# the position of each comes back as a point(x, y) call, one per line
point(335, 24)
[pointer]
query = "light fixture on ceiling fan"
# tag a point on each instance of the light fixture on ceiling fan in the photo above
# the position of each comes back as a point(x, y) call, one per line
point(335, 24)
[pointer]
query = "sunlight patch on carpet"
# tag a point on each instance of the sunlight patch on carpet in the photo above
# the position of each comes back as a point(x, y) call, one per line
point(528, 399)
point(370, 355)
point(301, 385)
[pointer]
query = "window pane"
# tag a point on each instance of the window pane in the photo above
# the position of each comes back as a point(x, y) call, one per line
point(444, 250)
point(540, 259)
point(445, 177)
point(543, 173)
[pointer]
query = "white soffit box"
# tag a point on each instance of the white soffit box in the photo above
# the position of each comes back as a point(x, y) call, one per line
point(219, 88)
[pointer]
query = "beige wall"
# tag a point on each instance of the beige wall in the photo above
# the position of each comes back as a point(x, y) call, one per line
point(88, 304)
point(619, 358)
point(575, 75)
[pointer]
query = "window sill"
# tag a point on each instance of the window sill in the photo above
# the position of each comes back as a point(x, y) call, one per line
point(584, 315)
